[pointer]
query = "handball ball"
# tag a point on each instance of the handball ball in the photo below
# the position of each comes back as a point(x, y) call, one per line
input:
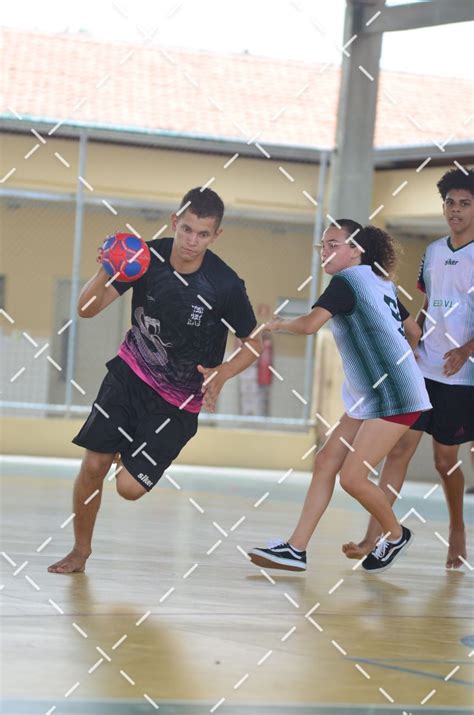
point(125, 254)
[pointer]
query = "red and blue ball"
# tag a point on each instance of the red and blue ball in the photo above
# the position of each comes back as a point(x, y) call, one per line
point(126, 255)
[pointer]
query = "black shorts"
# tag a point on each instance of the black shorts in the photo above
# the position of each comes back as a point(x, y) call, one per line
point(129, 417)
point(451, 419)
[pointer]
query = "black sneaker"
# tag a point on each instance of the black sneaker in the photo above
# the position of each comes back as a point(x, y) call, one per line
point(281, 556)
point(385, 553)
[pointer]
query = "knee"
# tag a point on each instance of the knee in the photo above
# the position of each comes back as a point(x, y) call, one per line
point(348, 483)
point(443, 465)
point(131, 491)
point(96, 465)
point(323, 463)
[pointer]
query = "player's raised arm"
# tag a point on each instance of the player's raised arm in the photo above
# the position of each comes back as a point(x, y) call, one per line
point(96, 295)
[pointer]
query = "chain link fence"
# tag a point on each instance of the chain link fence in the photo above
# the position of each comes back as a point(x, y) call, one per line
point(53, 362)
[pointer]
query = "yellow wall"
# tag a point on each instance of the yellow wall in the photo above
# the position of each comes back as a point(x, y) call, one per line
point(159, 174)
point(38, 249)
point(418, 198)
point(272, 254)
point(273, 257)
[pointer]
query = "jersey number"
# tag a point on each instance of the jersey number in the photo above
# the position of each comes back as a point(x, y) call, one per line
point(392, 304)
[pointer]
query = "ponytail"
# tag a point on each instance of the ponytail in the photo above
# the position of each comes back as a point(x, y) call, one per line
point(380, 250)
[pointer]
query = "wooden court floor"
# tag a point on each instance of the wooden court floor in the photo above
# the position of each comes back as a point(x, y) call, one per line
point(170, 617)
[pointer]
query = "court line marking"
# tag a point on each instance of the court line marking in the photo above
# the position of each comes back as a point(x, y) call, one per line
point(412, 671)
point(362, 69)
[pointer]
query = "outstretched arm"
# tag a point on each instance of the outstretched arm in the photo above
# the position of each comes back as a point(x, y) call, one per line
point(304, 325)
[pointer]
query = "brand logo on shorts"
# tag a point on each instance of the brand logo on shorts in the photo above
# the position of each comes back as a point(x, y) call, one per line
point(197, 311)
point(145, 479)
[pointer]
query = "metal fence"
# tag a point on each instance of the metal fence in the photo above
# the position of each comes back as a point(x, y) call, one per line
point(53, 363)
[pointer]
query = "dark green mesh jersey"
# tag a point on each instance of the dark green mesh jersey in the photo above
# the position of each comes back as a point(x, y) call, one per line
point(382, 377)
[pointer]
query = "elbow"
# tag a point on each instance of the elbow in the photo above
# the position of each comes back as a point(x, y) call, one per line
point(88, 309)
point(87, 313)
point(310, 329)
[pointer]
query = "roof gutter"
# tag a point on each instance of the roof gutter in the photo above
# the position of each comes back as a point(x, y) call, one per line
point(384, 157)
point(161, 138)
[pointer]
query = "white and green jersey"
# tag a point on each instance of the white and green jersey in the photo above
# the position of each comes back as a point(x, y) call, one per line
point(382, 377)
point(447, 278)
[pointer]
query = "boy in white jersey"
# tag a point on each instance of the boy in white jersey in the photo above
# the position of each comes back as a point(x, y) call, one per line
point(445, 359)
point(384, 391)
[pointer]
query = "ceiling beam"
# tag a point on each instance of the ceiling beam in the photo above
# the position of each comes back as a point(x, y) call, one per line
point(412, 16)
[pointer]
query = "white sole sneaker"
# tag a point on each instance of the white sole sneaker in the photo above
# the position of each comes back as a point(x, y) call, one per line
point(385, 568)
point(260, 558)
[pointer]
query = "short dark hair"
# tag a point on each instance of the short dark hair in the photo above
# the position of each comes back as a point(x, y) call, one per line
point(378, 247)
point(456, 179)
point(205, 203)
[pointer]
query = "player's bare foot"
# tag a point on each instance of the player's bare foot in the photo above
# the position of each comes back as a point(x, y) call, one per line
point(358, 551)
point(457, 548)
point(74, 562)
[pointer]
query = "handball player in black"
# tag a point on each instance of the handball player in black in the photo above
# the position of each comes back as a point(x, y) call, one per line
point(168, 366)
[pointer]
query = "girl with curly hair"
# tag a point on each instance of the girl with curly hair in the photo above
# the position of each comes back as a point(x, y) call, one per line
point(383, 393)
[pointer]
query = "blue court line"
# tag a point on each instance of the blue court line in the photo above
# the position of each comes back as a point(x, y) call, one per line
point(412, 671)
point(453, 661)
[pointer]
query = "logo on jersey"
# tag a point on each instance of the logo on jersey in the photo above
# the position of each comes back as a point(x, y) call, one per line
point(450, 262)
point(197, 311)
point(442, 303)
point(145, 479)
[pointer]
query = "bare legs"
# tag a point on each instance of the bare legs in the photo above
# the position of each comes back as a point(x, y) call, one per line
point(91, 476)
point(393, 475)
point(445, 457)
point(373, 442)
point(370, 441)
point(89, 481)
point(327, 464)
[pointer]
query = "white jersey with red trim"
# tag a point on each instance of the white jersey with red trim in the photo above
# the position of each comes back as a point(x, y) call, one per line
point(447, 278)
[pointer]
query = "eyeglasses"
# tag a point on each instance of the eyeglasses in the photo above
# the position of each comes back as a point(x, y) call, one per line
point(331, 245)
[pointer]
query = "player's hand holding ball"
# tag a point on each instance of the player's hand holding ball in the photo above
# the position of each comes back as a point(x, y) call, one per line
point(125, 257)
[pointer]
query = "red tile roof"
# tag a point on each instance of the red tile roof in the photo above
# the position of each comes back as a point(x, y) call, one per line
point(210, 94)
